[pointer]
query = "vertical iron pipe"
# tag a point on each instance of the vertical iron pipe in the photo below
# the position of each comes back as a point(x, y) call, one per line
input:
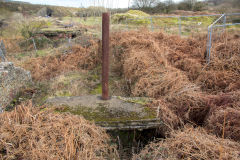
point(105, 55)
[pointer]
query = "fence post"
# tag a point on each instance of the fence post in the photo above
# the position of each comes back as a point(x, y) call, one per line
point(2, 55)
point(35, 47)
point(105, 55)
point(151, 20)
point(209, 45)
point(2, 46)
point(224, 21)
point(69, 41)
point(180, 26)
point(127, 24)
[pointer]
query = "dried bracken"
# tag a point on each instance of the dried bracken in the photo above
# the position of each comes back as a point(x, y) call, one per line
point(171, 69)
point(144, 53)
point(145, 64)
point(191, 144)
point(50, 66)
point(225, 123)
point(170, 120)
point(190, 107)
point(30, 133)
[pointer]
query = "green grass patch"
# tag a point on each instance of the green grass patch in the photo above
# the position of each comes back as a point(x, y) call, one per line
point(97, 90)
point(90, 21)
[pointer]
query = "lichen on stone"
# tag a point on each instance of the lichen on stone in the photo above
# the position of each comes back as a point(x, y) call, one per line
point(11, 80)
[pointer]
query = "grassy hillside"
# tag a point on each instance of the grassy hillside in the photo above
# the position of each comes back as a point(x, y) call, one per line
point(30, 9)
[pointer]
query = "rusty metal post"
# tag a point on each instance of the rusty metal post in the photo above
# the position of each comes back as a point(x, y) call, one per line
point(105, 55)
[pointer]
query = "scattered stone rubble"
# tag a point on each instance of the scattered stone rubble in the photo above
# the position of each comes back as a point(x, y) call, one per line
point(11, 80)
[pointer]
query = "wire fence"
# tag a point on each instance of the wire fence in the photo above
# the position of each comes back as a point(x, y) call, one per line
point(184, 26)
point(218, 27)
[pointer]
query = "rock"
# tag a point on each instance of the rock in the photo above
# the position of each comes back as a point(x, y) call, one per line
point(11, 80)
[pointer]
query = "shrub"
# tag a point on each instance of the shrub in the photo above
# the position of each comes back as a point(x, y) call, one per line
point(4, 13)
point(138, 13)
point(136, 16)
point(199, 6)
point(29, 28)
point(41, 42)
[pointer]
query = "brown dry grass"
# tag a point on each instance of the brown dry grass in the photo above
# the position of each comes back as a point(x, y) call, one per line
point(30, 133)
point(224, 100)
point(174, 70)
point(143, 57)
point(190, 107)
point(222, 75)
point(169, 68)
point(149, 63)
point(145, 63)
point(170, 119)
point(12, 45)
point(50, 66)
point(191, 144)
point(223, 119)
point(225, 123)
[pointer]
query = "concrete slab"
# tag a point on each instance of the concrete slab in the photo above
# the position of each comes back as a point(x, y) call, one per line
point(117, 113)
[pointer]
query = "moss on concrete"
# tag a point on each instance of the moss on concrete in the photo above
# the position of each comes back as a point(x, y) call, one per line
point(103, 114)
point(138, 100)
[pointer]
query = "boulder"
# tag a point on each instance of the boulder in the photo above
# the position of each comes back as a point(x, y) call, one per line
point(11, 80)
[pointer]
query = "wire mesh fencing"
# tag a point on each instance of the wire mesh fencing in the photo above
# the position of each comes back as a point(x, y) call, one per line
point(214, 26)
point(179, 25)
point(219, 29)
point(72, 31)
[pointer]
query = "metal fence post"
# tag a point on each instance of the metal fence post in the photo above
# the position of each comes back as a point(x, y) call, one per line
point(151, 20)
point(206, 56)
point(2, 46)
point(224, 21)
point(209, 43)
point(180, 25)
point(2, 55)
point(35, 47)
point(105, 55)
point(69, 42)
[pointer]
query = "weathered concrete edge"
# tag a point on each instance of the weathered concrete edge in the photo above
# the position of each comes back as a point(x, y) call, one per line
point(132, 125)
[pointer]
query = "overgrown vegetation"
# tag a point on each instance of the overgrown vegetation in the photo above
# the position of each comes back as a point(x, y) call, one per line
point(29, 28)
point(132, 17)
point(41, 133)
point(191, 143)
point(168, 69)
point(170, 6)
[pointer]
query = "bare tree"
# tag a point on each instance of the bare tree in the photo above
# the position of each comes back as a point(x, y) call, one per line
point(144, 3)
